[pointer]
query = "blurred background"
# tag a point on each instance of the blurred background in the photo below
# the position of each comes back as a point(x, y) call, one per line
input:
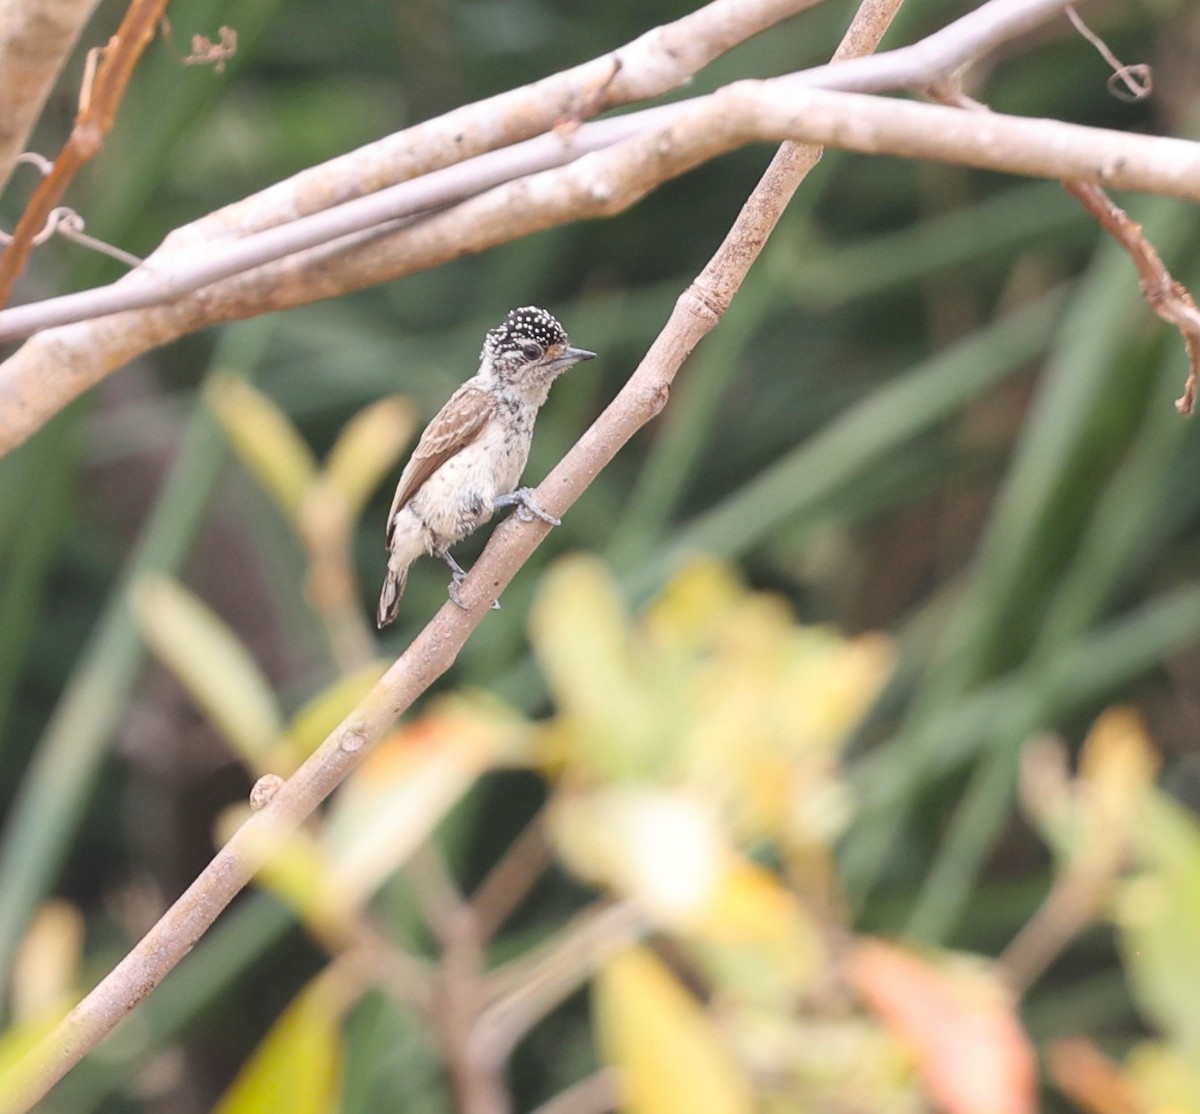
point(938, 409)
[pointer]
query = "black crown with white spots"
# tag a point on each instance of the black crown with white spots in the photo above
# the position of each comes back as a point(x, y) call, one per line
point(529, 323)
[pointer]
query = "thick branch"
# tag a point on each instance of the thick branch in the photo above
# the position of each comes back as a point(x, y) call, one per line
point(168, 277)
point(53, 369)
point(657, 62)
point(59, 364)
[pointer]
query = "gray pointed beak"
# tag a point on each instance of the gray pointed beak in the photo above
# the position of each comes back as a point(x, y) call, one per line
point(571, 357)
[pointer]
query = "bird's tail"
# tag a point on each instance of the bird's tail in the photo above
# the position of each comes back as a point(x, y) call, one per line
point(389, 599)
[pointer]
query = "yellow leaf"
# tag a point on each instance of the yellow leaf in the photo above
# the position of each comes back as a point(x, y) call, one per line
point(668, 1051)
point(211, 663)
point(265, 439)
point(46, 968)
point(1092, 819)
point(694, 604)
point(368, 447)
point(754, 939)
point(1118, 763)
point(298, 1065)
point(619, 721)
point(1164, 1076)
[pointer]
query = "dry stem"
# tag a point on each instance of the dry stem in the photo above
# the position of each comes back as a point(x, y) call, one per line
point(1171, 300)
point(97, 111)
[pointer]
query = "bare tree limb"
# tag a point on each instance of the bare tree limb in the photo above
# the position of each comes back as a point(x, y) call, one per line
point(166, 278)
point(56, 367)
point(657, 62)
point(59, 364)
point(36, 37)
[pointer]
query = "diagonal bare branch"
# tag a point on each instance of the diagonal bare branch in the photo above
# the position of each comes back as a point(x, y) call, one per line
point(427, 658)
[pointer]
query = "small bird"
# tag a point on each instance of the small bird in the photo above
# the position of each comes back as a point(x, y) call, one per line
point(471, 456)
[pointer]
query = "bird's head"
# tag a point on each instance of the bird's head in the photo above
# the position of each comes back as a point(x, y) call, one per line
point(528, 352)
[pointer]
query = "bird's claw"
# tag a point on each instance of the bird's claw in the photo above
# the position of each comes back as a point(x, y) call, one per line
point(457, 600)
point(527, 506)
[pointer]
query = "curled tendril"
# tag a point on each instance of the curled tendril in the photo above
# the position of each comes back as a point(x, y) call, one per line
point(1126, 83)
point(66, 222)
point(1131, 83)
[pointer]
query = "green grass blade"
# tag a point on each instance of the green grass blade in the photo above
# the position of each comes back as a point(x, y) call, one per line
point(810, 474)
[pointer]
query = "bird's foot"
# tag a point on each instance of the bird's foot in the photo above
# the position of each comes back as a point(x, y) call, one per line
point(457, 575)
point(527, 507)
point(452, 592)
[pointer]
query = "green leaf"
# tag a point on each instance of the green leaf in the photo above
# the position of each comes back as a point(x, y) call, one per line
point(1158, 914)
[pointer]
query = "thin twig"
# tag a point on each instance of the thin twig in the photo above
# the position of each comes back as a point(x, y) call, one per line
point(529, 988)
point(97, 112)
point(1171, 300)
point(1069, 908)
point(508, 883)
point(595, 1094)
point(476, 1078)
point(1137, 81)
point(437, 894)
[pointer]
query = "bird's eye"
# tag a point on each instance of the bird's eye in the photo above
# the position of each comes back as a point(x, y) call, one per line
point(531, 351)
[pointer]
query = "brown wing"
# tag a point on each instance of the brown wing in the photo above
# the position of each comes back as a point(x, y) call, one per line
point(454, 427)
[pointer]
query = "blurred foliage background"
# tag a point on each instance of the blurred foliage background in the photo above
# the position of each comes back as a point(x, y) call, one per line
point(938, 409)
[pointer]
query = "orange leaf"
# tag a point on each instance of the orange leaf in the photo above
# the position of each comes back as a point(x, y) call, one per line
point(958, 1024)
point(1091, 1080)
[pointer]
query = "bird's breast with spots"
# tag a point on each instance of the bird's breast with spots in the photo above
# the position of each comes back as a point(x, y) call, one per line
point(458, 497)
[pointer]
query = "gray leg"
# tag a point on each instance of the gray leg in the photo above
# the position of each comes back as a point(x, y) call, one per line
point(527, 508)
point(457, 575)
point(457, 569)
